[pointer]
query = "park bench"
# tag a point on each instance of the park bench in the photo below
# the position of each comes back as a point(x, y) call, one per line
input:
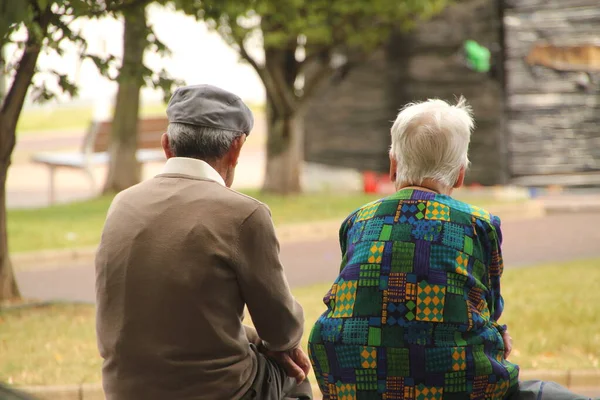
point(94, 149)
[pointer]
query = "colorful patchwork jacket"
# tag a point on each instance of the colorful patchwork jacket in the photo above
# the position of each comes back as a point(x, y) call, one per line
point(413, 313)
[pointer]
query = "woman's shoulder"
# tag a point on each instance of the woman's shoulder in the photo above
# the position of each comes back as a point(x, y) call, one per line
point(363, 212)
point(432, 206)
point(458, 209)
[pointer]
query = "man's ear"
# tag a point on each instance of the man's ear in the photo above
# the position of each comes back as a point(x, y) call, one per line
point(164, 141)
point(234, 151)
point(461, 178)
point(393, 168)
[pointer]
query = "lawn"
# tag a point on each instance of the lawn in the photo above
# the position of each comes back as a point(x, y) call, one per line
point(39, 120)
point(552, 316)
point(80, 224)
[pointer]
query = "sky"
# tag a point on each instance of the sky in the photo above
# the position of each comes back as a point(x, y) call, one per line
point(198, 56)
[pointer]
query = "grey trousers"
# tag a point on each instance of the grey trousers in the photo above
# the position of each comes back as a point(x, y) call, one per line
point(272, 383)
point(542, 390)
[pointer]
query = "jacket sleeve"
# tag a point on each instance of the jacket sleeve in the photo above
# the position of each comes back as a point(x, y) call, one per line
point(277, 316)
point(496, 269)
point(343, 237)
point(252, 335)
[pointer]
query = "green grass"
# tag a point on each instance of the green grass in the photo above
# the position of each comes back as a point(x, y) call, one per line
point(552, 314)
point(57, 118)
point(80, 224)
point(49, 345)
point(57, 227)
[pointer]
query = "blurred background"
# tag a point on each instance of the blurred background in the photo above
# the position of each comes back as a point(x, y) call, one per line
point(82, 92)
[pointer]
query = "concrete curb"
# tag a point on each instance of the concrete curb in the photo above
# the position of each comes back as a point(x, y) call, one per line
point(580, 382)
point(84, 391)
point(570, 208)
point(286, 233)
point(568, 378)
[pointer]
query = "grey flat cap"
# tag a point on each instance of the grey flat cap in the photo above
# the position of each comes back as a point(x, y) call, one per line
point(210, 106)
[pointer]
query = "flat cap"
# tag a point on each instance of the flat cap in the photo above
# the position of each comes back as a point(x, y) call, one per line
point(210, 106)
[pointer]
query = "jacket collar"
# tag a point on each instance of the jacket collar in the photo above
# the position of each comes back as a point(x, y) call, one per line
point(192, 167)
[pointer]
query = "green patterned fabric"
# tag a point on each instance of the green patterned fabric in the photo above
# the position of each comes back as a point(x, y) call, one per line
point(413, 313)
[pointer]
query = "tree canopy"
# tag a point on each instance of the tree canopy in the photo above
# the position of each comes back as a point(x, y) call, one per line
point(303, 43)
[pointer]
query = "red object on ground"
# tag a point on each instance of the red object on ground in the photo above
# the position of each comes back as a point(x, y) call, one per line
point(370, 182)
point(377, 183)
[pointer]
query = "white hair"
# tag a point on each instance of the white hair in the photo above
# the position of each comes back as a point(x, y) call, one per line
point(431, 140)
point(199, 141)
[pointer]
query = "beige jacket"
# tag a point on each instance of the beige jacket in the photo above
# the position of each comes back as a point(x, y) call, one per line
point(180, 257)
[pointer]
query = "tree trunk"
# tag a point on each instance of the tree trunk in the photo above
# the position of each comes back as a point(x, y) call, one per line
point(8, 284)
point(285, 152)
point(124, 170)
point(285, 125)
point(2, 72)
point(10, 110)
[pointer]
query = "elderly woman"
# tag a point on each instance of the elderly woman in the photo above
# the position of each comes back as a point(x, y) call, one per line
point(414, 311)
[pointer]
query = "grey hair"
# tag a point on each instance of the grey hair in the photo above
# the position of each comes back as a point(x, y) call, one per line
point(200, 142)
point(431, 140)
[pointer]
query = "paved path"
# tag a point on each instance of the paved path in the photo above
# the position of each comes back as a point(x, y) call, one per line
point(554, 238)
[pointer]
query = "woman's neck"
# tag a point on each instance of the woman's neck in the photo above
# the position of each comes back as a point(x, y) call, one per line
point(428, 185)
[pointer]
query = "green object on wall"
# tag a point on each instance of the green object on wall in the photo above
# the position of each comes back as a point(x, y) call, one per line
point(478, 56)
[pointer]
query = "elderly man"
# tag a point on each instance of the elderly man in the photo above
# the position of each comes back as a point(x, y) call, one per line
point(181, 255)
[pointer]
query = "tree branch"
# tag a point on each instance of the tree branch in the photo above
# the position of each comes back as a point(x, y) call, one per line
point(313, 56)
point(313, 82)
point(12, 105)
point(15, 98)
point(264, 74)
point(260, 70)
point(285, 96)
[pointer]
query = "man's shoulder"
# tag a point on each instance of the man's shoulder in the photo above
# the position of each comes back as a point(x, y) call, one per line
point(243, 204)
point(194, 192)
point(130, 192)
point(240, 200)
point(237, 197)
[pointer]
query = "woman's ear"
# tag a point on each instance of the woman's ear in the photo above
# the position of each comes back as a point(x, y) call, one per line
point(461, 178)
point(393, 168)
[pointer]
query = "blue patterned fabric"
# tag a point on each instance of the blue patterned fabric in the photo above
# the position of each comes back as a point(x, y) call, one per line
point(413, 313)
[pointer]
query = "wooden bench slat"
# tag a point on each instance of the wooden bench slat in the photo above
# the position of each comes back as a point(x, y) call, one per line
point(95, 145)
point(80, 160)
point(148, 137)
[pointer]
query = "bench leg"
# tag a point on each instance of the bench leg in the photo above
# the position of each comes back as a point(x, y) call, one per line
point(51, 194)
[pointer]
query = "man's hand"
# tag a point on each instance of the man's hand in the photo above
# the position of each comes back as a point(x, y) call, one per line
point(295, 362)
point(301, 359)
point(507, 343)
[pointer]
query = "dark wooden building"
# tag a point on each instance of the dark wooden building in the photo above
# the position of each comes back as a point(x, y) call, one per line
point(553, 105)
point(531, 119)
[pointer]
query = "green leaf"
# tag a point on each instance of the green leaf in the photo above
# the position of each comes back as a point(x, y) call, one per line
point(12, 13)
point(42, 4)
